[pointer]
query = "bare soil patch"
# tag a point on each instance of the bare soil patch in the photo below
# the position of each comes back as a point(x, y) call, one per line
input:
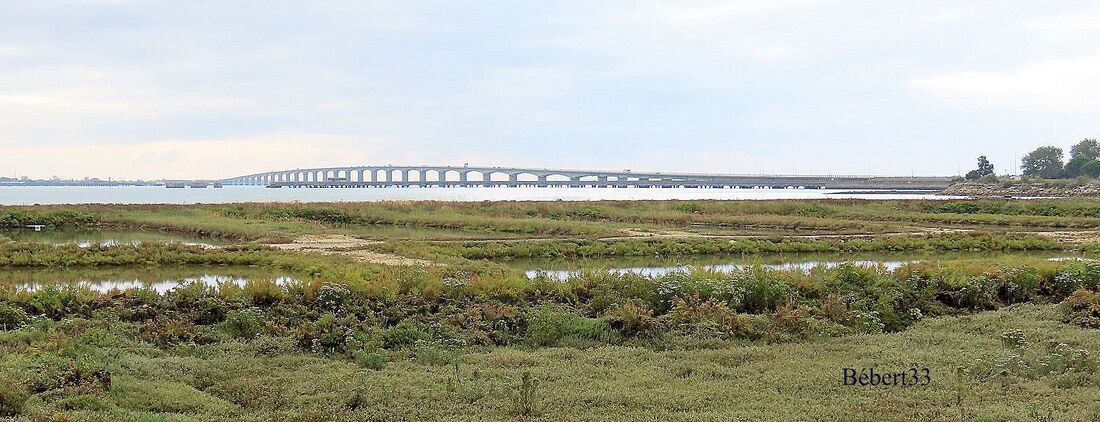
point(349, 246)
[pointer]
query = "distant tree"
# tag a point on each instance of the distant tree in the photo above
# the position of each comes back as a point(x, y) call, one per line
point(1091, 169)
point(1075, 166)
point(1088, 148)
point(1083, 153)
point(985, 168)
point(1044, 162)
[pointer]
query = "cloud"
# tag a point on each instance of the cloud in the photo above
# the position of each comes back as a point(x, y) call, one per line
point(155, 89)
point(1066, 85)
point(212, 158)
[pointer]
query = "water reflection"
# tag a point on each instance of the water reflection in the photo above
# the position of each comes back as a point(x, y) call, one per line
point(655, 267)
point(562, 275)
point(45, 195)
point(160, 280)
point(85, 237)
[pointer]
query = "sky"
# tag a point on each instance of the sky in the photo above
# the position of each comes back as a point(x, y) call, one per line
point(211, 89)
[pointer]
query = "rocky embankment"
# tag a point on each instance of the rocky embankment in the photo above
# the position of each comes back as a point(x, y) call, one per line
point(1015, 190)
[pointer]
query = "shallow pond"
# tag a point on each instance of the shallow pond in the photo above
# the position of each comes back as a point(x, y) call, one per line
point(89, 237)
point(161, 280)
point(561, 269)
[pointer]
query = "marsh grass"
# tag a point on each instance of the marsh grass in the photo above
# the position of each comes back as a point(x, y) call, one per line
point(1005, 339)
point(235, 380)
point(427, 220)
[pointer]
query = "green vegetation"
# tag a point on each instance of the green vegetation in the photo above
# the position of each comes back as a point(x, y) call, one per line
point(663, 247)
point(1011, 338)
point(440, 221)
point(985, 169)
point(203, 353)
point(1047, 162)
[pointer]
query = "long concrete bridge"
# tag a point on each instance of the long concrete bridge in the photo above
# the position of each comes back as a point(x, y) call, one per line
point(449, 176)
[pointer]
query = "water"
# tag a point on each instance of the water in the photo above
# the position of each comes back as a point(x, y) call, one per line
point(161, 280)
point(562, 269)
point(86, 237)
point(52, 195)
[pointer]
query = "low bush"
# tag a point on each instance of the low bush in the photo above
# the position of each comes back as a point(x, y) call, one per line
point(244, 323)
point(632, 320)
point(1082, 308)
point(11, 316)
point(12, 397)
point(405, 334)
point(547, 326)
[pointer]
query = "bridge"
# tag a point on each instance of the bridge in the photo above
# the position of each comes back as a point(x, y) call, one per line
point(466, 176)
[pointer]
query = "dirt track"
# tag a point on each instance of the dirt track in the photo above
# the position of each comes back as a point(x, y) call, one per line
point(348, 246)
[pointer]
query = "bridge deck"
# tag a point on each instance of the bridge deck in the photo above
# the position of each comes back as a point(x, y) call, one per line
point(428, 176)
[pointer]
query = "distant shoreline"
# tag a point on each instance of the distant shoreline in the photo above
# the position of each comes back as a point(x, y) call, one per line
point(1042, 189)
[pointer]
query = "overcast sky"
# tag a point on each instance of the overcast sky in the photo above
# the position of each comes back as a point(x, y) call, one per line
point(196, 89)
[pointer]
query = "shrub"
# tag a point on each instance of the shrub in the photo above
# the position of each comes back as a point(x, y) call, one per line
point(834, 308)
point(333, 297)
point(524, 396)
point(51, 372)
point(969, 292)
point(550, 327)
point(867, 322)
point(763, 289)
point(1071, 277)
point(428, 353)
point(244, 323)
point(330, 334)
point(1082, 308)
point(709, 319)
point(12, 397)
point(488, 323)
point(264, 292)
point(632, 320)
point(1068, 366)
point(702, 284)
point(405, 334)
point(270, 346)
point(1019, 284)
point(1014, 338)
point(375, 361)
point(687, 207)
point(790, 323)
point(56, 303)
point(11, 316)
point(168, 331)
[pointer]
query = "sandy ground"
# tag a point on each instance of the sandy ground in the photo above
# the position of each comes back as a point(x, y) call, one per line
point(1073, 237)
point(358, 248)
point(349, 246)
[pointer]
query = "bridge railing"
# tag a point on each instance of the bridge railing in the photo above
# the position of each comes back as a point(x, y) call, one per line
point(593, 172)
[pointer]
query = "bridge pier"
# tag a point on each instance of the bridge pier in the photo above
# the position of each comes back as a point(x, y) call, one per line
point(357, 176)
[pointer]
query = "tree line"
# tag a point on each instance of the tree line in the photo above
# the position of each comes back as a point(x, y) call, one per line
point(1048, 162)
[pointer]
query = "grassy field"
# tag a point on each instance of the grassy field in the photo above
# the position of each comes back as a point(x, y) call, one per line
point(1014, 337)
point(973, 375)
point(425, 220)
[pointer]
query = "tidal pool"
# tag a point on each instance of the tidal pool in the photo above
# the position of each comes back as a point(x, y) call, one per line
point(89, 237)
point(562, 269)
point(161, 279)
